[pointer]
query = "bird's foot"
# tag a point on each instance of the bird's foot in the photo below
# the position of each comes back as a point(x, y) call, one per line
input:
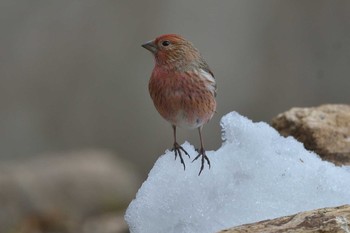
point(177, 148)
point(201, 152)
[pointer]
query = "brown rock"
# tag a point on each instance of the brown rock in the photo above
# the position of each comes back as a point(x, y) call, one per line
point(324, 129)
point(55, 193)
point(106, 223)
point(334, 220)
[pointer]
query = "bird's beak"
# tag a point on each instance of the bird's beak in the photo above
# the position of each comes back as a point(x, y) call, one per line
point(150, 45)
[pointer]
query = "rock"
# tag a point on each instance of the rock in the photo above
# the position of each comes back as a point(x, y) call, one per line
point(322, 220)
point(324, 129)
point(57, 192)
point(106, 223)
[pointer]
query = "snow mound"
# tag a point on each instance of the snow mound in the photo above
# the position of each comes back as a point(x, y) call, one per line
point(256, 174)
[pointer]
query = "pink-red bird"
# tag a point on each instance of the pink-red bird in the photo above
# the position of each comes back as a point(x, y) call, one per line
point(182, 88)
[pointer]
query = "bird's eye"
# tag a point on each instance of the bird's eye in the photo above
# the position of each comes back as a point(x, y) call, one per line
point(166, 43)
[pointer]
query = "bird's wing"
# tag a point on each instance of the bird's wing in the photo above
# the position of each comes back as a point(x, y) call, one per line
point(208, 75)
point(209, 78)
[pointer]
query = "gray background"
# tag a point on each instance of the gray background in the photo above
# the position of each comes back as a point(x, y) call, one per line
point(73, 74)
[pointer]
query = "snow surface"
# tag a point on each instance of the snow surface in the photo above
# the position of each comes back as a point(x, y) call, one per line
point(256, 174)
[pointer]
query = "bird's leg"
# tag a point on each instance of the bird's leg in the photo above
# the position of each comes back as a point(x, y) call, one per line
point(201, 152)
point(177, 148)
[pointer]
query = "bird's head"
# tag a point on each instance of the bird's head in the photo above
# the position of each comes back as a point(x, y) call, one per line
point(172, 50)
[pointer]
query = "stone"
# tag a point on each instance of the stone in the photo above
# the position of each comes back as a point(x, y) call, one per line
point(56, 192)
point(106, 223)
point(324, 129)
point(334, 220)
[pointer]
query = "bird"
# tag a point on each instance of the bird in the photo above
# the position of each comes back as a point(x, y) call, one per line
point(183, 88)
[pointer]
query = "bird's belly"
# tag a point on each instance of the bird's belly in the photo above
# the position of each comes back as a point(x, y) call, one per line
point(186, 109)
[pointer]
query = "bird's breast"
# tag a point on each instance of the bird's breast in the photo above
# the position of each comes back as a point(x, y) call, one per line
point(182, 98)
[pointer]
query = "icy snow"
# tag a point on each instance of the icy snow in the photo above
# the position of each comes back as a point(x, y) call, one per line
point(256, 174)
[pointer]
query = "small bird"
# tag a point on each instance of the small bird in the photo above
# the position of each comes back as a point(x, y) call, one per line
point(182, 87)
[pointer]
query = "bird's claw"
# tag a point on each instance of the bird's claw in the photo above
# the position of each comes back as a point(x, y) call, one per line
point(177, 148)
point(201, 152)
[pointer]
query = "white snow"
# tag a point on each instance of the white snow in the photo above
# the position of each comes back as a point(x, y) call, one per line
point(256, 174)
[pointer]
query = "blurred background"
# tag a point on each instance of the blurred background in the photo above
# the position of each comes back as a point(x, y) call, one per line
point(74, 96)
